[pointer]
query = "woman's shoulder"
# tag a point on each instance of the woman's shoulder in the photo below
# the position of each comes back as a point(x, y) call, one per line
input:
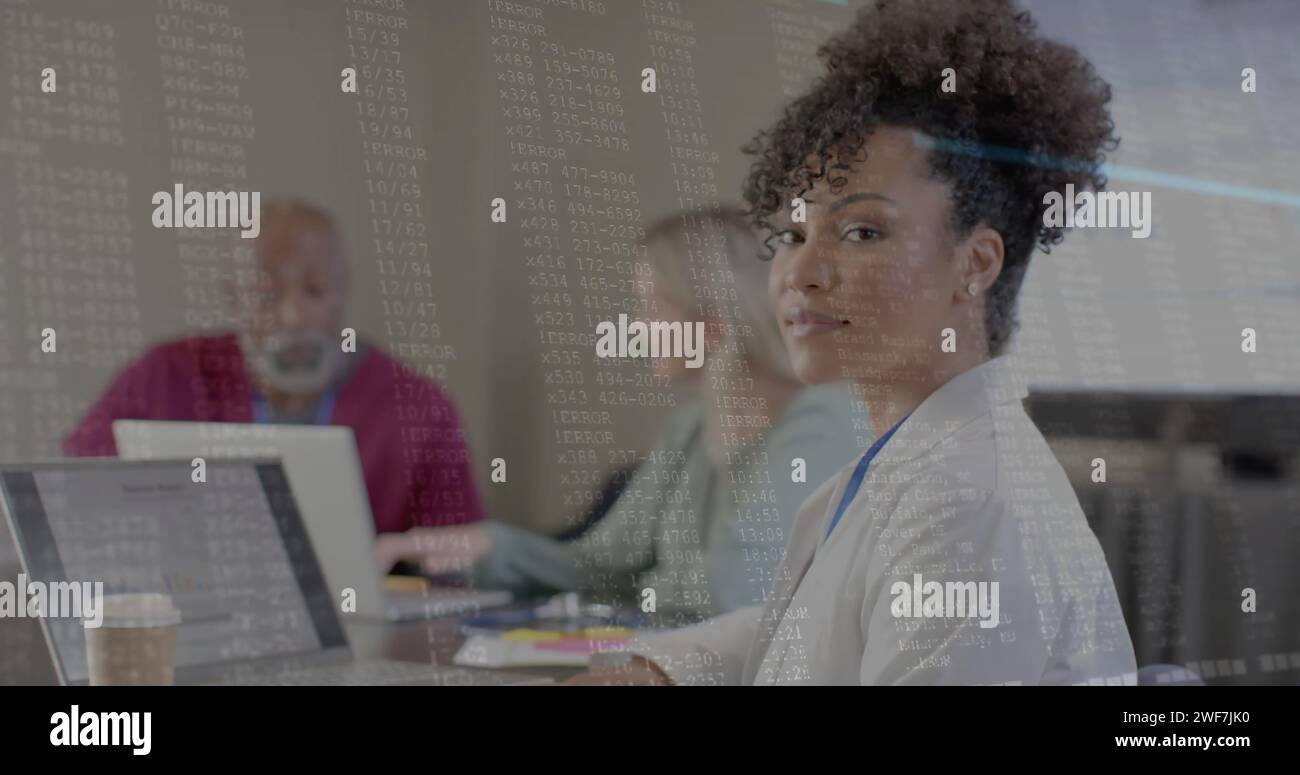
point(684, 418)
point(829, 410)
point(680, 427)
point(998, 467)
point(821, 434)
point(830, 398)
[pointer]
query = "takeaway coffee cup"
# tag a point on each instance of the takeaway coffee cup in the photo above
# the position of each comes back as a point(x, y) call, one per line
point(136, 642)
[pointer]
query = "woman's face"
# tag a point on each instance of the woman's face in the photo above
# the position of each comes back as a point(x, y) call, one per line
point(864, 288)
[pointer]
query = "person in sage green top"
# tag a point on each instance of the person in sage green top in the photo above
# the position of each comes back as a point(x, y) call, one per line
point(717, 561)
point(700, 525)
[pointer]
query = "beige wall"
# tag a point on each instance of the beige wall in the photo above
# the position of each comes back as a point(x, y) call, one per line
point(308, 143)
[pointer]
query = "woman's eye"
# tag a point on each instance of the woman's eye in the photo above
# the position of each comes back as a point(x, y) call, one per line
point(861, 234)
point(788, 237)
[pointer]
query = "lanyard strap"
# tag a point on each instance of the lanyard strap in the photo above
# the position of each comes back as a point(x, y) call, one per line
point(859, 473)
point(324, 409)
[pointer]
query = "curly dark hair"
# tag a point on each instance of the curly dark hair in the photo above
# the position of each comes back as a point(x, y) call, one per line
point(1028, 116)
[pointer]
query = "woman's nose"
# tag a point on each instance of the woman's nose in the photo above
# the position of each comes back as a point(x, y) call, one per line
point(809, 269)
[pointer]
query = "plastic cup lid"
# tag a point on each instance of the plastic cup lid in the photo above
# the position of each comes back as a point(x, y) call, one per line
point(140, 609)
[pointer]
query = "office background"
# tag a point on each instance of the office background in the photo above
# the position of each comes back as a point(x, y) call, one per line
point(1151, 326)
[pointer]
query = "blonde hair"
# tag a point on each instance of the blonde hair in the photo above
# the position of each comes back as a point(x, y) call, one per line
point(729, 281)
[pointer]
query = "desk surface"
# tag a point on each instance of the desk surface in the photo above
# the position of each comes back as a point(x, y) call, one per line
point(24, 659)
point(434, 641)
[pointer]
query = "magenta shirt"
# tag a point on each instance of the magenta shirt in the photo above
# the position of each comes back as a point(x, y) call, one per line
point(409, 437)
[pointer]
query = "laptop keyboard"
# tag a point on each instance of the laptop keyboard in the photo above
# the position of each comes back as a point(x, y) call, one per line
point(442, 601)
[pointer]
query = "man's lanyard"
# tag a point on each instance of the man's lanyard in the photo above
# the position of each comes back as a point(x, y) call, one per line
point(324, 409)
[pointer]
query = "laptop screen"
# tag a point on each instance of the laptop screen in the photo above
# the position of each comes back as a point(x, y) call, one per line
point(232, 552)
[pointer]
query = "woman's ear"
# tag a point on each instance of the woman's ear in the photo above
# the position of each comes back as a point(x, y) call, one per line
point(981, 261)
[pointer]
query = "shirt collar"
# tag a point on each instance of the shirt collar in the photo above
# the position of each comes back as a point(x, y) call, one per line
point(955, 404)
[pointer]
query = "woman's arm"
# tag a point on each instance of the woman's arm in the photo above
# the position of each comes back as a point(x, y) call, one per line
point(605, 557)
point(522, 561)
point(711, 653)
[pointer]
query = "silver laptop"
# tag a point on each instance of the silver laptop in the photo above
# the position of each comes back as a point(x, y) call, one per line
point(327, 480)
point(232, 552)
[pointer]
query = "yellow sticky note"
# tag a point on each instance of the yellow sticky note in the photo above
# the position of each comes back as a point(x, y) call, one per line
point(531, 636)
point(601, 633)
point(405, 583)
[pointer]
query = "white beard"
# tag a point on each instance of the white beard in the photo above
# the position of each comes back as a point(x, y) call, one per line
point(299, 362)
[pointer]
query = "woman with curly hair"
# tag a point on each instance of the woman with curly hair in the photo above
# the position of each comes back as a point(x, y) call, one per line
point(902, 217)
point(688, 478)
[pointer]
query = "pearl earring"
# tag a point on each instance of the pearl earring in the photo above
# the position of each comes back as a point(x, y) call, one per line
point(974, 288)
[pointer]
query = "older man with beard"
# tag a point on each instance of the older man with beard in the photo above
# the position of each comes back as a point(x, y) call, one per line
point(285, 364)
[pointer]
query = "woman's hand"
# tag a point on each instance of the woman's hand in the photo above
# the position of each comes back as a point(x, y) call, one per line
point(637, 671)
point(437, 550)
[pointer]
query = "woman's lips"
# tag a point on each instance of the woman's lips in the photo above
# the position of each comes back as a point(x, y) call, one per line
point(805, 322)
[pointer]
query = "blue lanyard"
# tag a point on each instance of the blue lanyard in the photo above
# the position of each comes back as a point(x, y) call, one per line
point(324, 409)
point(859, 474)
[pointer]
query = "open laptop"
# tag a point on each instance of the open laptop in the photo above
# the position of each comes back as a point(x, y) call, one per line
point(325, 474)
point(232, 552)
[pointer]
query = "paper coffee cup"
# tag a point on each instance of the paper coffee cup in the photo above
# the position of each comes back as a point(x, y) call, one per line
point(136, 642)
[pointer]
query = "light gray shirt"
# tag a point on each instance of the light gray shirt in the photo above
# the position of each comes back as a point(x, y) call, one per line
point(703, 539)
point(966, 491)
